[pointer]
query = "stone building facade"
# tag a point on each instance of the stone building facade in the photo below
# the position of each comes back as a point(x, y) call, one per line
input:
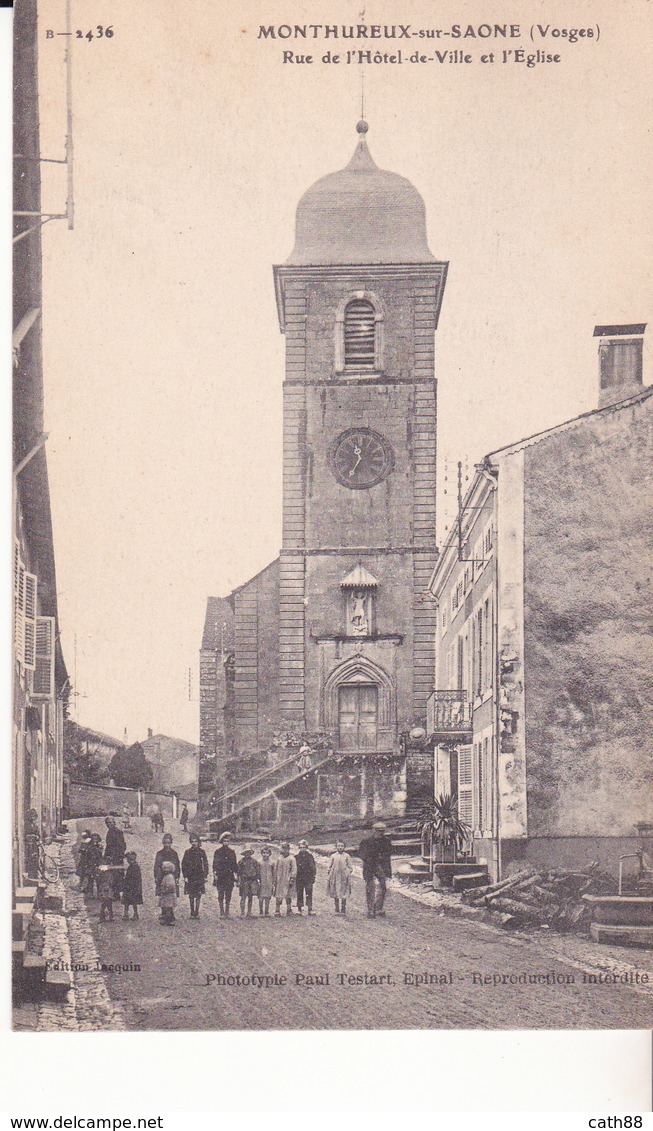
point(40, 680)
point(336, 636)
point(545, 609)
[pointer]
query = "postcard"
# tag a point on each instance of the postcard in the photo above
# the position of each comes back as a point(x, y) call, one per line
point(332, 517)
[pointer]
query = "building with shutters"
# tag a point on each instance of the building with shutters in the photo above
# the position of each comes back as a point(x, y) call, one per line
point(542, 717)
point(336, 636)
point(40, 682)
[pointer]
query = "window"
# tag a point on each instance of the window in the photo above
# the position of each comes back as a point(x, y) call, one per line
point(359, 335)
point(459, 663)
point(479, 561)
point(465, 784)
point(19, 605)
point(43, 687)
point(29, 623)
point(486, 815)
point(480, 790)
point(478, 625)
point(25, 588)
point(487, 645)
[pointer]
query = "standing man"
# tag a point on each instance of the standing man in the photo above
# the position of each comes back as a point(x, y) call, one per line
point(114, 853)
point(183, 818)
point(225, 873)
point(376, 853)
point(306, 872)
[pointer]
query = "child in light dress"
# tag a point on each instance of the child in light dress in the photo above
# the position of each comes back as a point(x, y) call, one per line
point(105, 891)
point(339, 878)
point(168, 896)
point(266, 887)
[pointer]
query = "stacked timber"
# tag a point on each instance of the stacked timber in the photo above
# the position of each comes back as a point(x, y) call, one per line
point(544, 899)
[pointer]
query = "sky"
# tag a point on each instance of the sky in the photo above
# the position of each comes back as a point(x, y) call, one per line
point(163, 360)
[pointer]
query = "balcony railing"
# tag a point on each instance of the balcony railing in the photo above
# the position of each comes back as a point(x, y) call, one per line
point(449, 716)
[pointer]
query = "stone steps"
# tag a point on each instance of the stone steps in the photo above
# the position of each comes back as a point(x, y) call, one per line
point(470, 880)
point(631, 935)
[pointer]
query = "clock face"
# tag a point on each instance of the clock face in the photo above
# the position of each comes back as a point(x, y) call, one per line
point(361, 458)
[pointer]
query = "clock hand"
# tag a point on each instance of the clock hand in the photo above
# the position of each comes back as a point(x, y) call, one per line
point(358, 453)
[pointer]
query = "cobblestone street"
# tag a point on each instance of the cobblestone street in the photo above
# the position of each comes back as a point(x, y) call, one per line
point(327, 972)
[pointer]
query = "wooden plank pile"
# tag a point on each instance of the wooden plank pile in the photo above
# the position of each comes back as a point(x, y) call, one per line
point(536, 899)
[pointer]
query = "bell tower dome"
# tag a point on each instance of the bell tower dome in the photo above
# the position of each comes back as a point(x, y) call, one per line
point(361, 214)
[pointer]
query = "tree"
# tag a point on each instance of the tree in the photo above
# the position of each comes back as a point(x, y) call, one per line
point(131, 768)
point(81, 754)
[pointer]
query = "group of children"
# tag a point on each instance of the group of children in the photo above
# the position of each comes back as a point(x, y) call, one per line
point(99, 871)
point(282, 879)
point(264, 879)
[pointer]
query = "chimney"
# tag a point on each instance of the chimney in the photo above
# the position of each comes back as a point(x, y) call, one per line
point(620, 362)
point(149, 732)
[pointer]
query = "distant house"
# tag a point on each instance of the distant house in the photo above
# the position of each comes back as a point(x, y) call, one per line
point(542, 717)
point(175, 763)
point(93, 744)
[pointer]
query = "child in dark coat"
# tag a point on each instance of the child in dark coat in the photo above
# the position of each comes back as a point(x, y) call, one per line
point(306, 872)
point(132, 887)
point(105, 890)
point(249, 879)
point(92, 861)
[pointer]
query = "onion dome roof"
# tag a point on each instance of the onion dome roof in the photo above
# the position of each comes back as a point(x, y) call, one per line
point(361, 214)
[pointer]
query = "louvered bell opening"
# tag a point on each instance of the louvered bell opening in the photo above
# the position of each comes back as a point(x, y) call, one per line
point(359, 335)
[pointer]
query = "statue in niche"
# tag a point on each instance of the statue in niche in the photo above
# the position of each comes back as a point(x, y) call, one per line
point(358, 618)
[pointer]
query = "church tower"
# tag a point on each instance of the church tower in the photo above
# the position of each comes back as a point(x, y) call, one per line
point(359, 300)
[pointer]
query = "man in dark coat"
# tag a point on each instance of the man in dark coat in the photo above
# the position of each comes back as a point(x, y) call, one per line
point(306, 872)
point(165, 855)
point(183, 819)
point(376, 853)
point(114, 852)
point(225, 873)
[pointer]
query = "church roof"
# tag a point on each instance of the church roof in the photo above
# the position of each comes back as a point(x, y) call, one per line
point(361, 214)
point(359, 578)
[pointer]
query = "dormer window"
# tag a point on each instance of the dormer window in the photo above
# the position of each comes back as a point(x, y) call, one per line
point(359, 324)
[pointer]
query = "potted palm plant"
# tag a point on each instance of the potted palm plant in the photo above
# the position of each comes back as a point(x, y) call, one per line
point(443, 832)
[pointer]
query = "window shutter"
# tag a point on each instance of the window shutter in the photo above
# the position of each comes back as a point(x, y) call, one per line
point(465, 784)
point(16, 563)
point(359, 335)
point(19, 610)
point(43, 685)
point(29, 625)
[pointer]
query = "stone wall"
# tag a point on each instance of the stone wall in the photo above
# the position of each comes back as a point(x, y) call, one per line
point(589, 626)
point(86, 800)
point(257, 661)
